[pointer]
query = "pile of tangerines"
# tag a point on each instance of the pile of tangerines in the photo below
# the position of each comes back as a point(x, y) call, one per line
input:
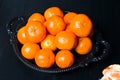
point(50, 38)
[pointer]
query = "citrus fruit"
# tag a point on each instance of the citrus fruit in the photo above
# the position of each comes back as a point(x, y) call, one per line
point(49, 42)
point(69, 16)
point(29, 50)
point(55, 24)
point(37, 17)
point(64, 59)
point(65, 40)
point(21, 35)
point(68, 28)
point(45, 58)
point(51, 11)
point(35, 31)
point(84, 46)
point(111, 72)
point(81, 25)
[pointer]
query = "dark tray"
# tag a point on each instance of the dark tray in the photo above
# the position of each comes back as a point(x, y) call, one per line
point(100, 50)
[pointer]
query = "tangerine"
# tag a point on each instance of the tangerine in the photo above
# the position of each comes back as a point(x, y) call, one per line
point(84, 46)
point(35, 31)
point(81, 25)
point(49, 42)
point(64, 59)
point(29, 50)
point(45, 58)
point(21, 35)
point(55, 24)
point(65, 40)
point(69, 16)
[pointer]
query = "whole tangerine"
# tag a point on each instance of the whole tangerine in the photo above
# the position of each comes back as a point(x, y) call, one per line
point(29, 50)
point(35, 31)
point(55, 24)
point(64, 59)
point(45, 58)
point(84, 46)
point(65, 40)
point(81, 25)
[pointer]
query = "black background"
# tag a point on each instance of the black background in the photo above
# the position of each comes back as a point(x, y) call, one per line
point(103, 13)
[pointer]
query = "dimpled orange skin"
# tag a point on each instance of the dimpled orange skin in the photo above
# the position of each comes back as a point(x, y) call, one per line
point(29, 50)
point(81, 25)
point(65, 40)
point(49, 42)
point(37, 17)
point(64, 59)
point(55, 24)
point(35, 31)
point(52, 11)
point(45, 58)
point(84, 46)
point(21, 35)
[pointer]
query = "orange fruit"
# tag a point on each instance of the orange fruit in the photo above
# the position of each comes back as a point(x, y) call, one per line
point(35, 31)
point(68, 28)
point(55, 24)
point(65, 40)
point(64, 59)
point(37, 17)
point(21, 35)
point(111, 68)
point(81, 25)
point(84, 46)
point(45, 58)
point(116, 76)
point(69, 16)
point(111, 72)
point(49, 42)
point(29, 50)
point(51, 11)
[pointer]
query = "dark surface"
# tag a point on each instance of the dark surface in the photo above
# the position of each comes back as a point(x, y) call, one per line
point(104, 14)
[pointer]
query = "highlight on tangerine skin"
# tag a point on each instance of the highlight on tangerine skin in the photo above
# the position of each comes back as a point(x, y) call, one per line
point(49, 42)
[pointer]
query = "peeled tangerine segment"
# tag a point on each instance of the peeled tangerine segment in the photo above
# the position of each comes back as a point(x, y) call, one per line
point(111, 72)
